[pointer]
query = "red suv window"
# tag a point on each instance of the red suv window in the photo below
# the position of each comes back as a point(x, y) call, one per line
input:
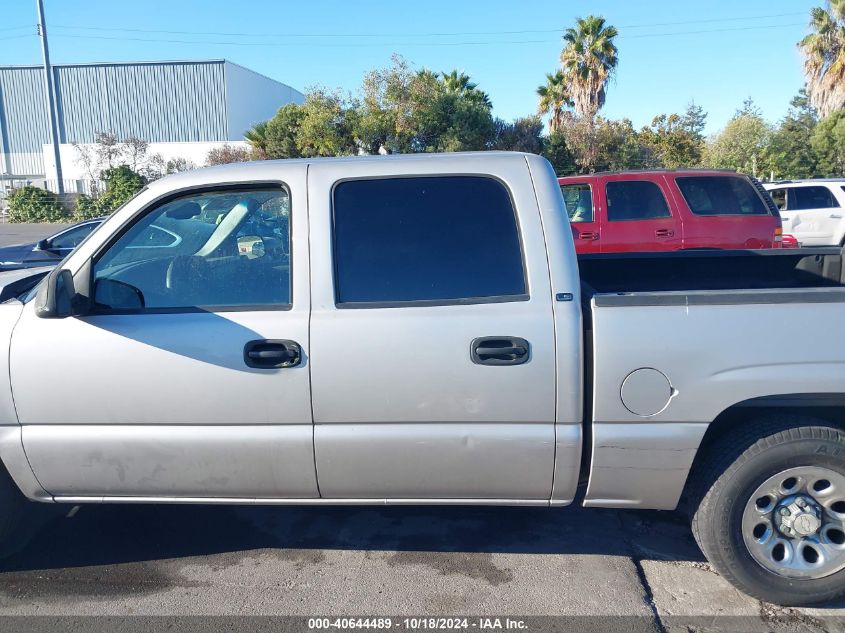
point(635, 200)
point(720, 195)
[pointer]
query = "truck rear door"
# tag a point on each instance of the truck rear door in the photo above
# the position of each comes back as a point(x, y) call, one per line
point(433, 343)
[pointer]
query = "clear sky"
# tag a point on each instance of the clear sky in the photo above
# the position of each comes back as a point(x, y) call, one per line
point(716, 52)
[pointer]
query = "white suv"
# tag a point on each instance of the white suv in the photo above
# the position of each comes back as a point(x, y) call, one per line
point(812, 210)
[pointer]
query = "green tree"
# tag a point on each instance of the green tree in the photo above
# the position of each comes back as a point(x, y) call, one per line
point(741, 145)
point(460, 84)
point(824, 57)
point(256, 136)
point(620, 147)
point(553, 99)
point(402, 110)
point(828, 142)
point(324, 129)
point(557, 152)
point(589, 60)
point(121, 185)
point(33, 204)
point(523, 135)
point(282, 132)
point(675, 140)
point(790, 153)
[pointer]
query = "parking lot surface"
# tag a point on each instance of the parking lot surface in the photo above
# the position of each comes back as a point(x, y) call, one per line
point(221, 560)
point(24, 233)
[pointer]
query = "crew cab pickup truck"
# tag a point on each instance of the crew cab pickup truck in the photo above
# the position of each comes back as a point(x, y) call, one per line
point(669, 210)
point(418, 330)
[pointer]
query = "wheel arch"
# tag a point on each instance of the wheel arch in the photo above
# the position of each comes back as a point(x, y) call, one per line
point(826, 408)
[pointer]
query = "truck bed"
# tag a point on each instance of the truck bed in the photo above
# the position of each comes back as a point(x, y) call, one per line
point(674, 340)
point(627, 273)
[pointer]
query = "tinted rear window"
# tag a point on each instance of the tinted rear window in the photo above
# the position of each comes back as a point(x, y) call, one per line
point(721, 195)
point(440, 239)
point(801, 198)
point(635, 200)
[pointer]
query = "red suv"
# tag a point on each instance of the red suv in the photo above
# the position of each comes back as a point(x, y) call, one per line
point(669, 210)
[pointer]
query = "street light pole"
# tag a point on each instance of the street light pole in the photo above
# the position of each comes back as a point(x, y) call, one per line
point(51, 104)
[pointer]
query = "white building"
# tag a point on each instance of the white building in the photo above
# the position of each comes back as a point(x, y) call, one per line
point(183, 109)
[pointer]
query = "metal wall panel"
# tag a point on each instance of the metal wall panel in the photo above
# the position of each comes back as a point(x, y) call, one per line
point(173, 102)
point(23, 119)
point(167, 102)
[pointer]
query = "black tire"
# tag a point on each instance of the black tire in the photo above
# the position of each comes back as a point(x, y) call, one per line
point(726, 477)
point(14, 534)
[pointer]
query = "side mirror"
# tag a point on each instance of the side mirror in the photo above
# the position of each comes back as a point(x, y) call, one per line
point(57, 298)
point(43, 245)
point(110, 294)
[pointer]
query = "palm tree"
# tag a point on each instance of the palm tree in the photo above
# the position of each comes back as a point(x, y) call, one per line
point(256, 136)
point(554, 97)
point(460, 84)
point(589, 59)
point(824, 57)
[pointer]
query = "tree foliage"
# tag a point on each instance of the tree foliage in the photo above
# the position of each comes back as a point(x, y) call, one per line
point(400, 110)
point(824, 57)
point(226, 154)
point(33, 204)
point(554, 99)
point(828, 142)
point(122, 183)
point(742, 144)
point(523, 135)
point(790, 153)
point(589, 59)
point(676, 140)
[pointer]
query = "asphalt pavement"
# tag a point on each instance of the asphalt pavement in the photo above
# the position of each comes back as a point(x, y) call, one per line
point(616, 570)
point(628, 570)
point(24, 233)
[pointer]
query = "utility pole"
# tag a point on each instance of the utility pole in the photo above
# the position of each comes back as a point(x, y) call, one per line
point(51, 103)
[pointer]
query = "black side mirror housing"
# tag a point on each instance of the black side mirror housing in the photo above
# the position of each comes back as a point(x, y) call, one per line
point(57, 297)
point(43, 245)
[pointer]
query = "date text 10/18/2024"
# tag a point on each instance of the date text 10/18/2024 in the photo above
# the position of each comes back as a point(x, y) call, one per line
point(422, 623)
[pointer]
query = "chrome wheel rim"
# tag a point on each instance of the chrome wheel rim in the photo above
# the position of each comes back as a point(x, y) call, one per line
point(794, 523)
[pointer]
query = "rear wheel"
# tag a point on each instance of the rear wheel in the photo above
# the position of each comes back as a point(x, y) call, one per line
point(770, 510)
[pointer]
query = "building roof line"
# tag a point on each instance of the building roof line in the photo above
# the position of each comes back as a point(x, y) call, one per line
point(123, 63)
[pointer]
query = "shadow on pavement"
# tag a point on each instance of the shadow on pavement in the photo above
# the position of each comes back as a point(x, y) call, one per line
point(114, 534)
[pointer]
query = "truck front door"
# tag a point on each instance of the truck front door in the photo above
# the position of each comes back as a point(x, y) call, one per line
point(190, 377)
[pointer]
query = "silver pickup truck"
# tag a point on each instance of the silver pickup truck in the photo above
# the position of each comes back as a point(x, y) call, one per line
point(418, 329)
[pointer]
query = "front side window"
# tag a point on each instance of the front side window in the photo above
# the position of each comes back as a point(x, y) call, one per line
point(801, 198)
point(721, 195)
point(443, 239)
point(180, 256)
point(70, 239)
point(579, 202)
point(635, 200)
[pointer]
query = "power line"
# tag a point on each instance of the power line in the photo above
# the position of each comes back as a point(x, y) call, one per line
point(16, 37)
point(726, 30)
point(408, 34)
point(409, 44)
point(17, 28)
